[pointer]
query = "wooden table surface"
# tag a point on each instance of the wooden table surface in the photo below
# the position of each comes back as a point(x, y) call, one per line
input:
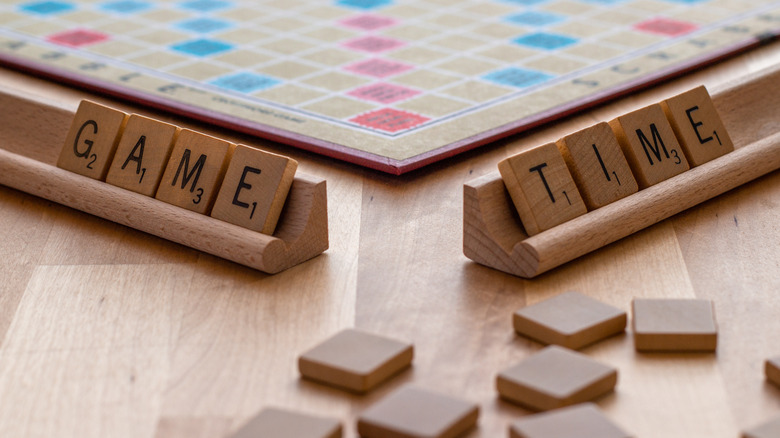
point(109, 332)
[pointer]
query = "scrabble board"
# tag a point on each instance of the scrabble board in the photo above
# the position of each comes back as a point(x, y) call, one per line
point(389, 84)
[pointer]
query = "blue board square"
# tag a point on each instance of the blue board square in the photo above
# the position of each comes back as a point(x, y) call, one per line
point(126, 6)
point(205, 5)
point(47, 8)
point(535, 18)
point(202, 47)
point(546, 41)
point(364, 4)
point(245, 82)
point(517, 77)
point(204, 25)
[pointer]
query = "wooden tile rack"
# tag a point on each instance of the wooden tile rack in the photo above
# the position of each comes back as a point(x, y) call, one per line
point(493, 234)
point(32, 134)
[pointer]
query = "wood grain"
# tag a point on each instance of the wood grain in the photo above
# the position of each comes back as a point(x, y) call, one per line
point(185, 344)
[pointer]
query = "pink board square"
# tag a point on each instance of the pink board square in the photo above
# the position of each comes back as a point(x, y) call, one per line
point(77, 37)
point(368, 22)
point(378, 68)
point(389, 120)
point(373, 44)
point(383, 93)
point(666, 26)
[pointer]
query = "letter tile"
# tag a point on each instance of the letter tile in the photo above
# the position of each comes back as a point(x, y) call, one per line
point(142, 154)
point(698, 126)
point(195, 171)
point(597, 165)
point(255, 188)
point(92, 140)
point(649, 145)
point(541, 188)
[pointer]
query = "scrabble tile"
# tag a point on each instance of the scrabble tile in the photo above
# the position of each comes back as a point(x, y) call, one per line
point(698, 126)
point(195, 171)
point(571, 320)
point(541, 188)
point(254, 189)
point(142, 154)
point(649, 144)
point(412, 412)
point(355, 360)
point(92, 140)
point(772, 370)
point(583, 420)
point(279, 423)
point(555, 377)
point(674, 325)
point(770, 429)
point(597, 165)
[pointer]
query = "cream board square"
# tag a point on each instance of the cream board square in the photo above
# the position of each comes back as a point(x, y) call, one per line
point(355, 360)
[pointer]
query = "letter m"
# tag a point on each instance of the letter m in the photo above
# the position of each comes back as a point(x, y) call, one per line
point(657, 145)
point(193, 174)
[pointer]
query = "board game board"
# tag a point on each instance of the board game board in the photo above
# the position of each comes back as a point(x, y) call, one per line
point(388, 84)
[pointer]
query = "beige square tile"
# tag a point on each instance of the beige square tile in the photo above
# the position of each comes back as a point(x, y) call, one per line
point(287, 46)
point(332, 57)
point(458, 42)
point(417, 55)
point(433, 106)
point(593, 51)
point(327, 12)
point(244, 36)
point(10, 17)
point(354, 359)
point(115, 49)
point(619, 17)
point(566, 7)
point(243, 14)
point(162, 37)
point(499, 30)
point(507, 53)
point(289, 94)
point(336, 81)
point(426, 80)
point(476, 91)
point(467, 66)
point(163, 15)
point(278, 423)
point(411, 32)
point(489, 9)
point(158, 60)
point(404, 11)
point(288, 69)
point(285, 24)
point(200, 71)
point(82, 17)
point(452, 21)
point(41, 29)
point(581, 29)
point(632, 39)
point(330, 34)
point(243, 58)
point(556, 64)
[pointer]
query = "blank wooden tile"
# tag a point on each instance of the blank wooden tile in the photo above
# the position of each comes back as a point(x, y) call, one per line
point(279, 423)
point(674, 325)
point(555, 377)
point(142, 154)
point(254, 189)
point(92, 140)
point(770, 429)
point(649, 144)
point(412, 412)
point(541, 188)
point(580, 421)
point(195, 171)
point(698, 126)
point(772, 370)
point(597, 165)
point(355, 360)
point(571, 320)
